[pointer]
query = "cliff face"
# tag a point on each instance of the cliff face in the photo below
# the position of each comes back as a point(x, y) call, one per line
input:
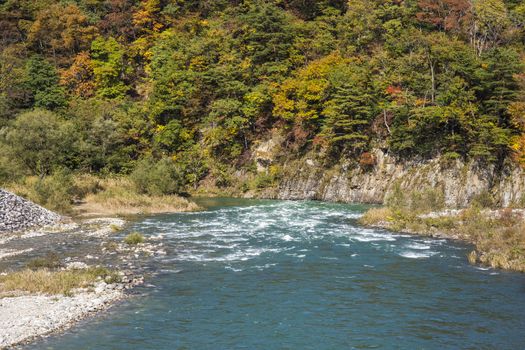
point(460, 182)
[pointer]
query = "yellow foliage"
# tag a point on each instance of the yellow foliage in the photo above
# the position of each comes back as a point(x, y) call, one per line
point(301, 97)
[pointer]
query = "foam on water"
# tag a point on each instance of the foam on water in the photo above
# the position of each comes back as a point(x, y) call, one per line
point(417, 255)
point(418, 246)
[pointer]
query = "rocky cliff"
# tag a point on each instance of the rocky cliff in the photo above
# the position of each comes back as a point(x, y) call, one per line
point(460, 182)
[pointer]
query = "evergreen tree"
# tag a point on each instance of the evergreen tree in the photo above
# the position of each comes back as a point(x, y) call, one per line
point(347, 116)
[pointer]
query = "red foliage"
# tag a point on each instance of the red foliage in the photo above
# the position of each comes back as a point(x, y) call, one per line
point(448, 15)
point(393, 90)
point(367, 159)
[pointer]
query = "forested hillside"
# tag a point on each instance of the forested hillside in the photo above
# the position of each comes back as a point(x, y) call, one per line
point(184, 89)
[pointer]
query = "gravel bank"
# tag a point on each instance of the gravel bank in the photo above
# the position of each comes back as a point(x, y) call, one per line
point(23, 318)
point(17, 213)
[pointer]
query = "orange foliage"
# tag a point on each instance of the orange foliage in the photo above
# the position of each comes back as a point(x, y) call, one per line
point(61, 30)
point(367, 159)
point(79, 77)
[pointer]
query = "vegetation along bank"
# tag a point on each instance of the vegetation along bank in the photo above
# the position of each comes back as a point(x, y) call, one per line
point(130, 106)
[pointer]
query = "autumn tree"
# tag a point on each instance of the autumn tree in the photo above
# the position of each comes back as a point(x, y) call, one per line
point(447, 15)
point(489, 24)
point(61, 31)
point(79, 77)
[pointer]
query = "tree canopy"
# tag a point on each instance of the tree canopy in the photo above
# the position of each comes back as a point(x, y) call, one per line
point(102, 85)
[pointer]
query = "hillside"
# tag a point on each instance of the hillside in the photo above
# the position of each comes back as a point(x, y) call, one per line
point(182, 95)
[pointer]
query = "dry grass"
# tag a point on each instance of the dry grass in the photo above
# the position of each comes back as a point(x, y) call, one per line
point(376, 216)
point(51, 282)
point(119, 197)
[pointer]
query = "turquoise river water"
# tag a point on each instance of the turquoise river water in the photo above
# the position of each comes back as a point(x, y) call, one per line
point(304, 275)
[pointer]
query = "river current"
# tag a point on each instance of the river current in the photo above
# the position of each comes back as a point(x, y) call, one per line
point(304, 275)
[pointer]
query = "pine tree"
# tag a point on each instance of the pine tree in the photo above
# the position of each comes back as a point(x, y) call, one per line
point(348, 114)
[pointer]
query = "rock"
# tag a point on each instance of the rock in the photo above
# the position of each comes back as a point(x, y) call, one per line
point(350, 183)
point(18, 214)
point(76, 265)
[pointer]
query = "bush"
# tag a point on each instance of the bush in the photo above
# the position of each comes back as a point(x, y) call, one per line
point(134, 238)
point(157, 178)
point(429, 199)
point(56, 192)
point(376, 216)
point(10, 169)
point(483, 200)
point(41, 141)
point(367, 160)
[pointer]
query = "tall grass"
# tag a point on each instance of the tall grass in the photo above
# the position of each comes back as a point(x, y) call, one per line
point(66, 193)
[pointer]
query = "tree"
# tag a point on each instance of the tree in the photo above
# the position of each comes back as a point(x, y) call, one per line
point(147, 16)
point(109, 68)
point(348, 115)
point(42, 81)
point(488, 25)
point(265, 38)
point(79, 77)
point(14, 93)
point(118, 22)
point(447, 15)
point(497, 86)
point(61, 30)
point(41, 141)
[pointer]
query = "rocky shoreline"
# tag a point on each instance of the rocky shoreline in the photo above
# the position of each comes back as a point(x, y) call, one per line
point(29, 232)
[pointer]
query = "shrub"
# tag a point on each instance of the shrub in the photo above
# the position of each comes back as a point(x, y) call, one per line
point(376, 216)
point(134, 238)
point(157, 178)
point(55, 192)
point(483, 200)
point(367, 160)
point(429, 199)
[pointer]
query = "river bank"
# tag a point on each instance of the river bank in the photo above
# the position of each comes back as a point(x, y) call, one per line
point(53, 276)
point(497, 234)
point(25, 318)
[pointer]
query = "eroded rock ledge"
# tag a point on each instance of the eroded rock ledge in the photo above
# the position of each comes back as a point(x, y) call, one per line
point(350, 183)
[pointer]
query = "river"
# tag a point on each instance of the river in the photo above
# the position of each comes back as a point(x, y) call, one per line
point(246, 274)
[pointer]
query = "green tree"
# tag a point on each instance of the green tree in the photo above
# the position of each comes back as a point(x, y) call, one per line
point(41, 141)
point(348, 115)
point(109, 67)
point(42, 81)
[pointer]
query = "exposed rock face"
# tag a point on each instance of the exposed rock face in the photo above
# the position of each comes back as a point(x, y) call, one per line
point(17, 214)
point(460, 182)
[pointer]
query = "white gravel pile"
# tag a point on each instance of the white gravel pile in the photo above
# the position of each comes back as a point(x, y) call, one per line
point(18, 214)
